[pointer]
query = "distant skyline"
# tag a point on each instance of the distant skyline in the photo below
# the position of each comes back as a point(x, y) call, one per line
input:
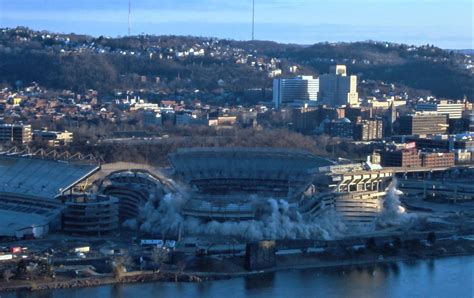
point(447, 24)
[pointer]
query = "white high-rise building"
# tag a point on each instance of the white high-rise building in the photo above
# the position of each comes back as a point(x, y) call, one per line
point(301, 88)
point(338, 89)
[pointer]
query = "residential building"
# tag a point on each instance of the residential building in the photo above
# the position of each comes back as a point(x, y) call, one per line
point(367, 130)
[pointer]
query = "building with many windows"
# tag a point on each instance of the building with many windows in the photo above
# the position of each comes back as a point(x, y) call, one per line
point(367, 130)
point(53, 138)
point(337, 88)
point(15, 133)
point(299, 89)
point(423, 124)
point(92, 215)
point(444, 107)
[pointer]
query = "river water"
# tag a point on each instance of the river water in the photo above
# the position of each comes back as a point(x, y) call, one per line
point(446, 277)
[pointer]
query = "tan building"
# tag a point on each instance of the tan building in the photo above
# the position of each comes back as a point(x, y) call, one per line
point(337, 88)
point(53, 138)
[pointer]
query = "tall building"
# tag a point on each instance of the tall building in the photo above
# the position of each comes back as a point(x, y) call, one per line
point(301, 88)
point(423, 124)
point(471, 124)
point(305, 120)
point(391, 118)
point(17, 133)
point(341, 128)
point(452, 110)
point(367, 130)
point(338, 89)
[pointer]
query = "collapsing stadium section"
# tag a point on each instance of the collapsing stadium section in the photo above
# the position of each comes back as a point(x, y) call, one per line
point(227, 183)
point(133, 188)
point(265, 193)
point(257, 193)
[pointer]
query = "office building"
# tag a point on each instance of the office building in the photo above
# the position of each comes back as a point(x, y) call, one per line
point(53, 138)
point(423, 124)
point(400, 158)
point(301, 88)
point(15, 133)
point(338, 89)
point(437, 159)
point(452, 110)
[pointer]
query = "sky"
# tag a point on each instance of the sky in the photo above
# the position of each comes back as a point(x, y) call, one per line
point(448, 24)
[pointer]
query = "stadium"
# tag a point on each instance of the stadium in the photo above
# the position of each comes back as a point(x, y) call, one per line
point(229, 184)
point(80, 196)
point(30, 190)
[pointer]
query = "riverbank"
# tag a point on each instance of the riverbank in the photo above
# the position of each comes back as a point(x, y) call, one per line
point(284, 264)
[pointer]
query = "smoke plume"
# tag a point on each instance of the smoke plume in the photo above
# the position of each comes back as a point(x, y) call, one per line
point(276, 220)
point(393, 214)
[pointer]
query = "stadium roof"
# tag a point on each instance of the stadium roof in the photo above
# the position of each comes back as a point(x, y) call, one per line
point(229, 161)
point(43, 178)
point(246, 170)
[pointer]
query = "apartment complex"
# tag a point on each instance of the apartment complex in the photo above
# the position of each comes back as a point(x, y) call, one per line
point(367, 130)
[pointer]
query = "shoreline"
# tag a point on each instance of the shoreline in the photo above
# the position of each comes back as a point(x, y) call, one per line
point(194, 276)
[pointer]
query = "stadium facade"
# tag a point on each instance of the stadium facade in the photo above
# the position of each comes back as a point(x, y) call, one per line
point(132, 188)
point(90, 214)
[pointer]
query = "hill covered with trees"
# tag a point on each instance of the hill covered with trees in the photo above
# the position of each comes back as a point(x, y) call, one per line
point(167, 64)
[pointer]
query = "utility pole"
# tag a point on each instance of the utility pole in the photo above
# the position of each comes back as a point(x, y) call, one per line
point(253, 19)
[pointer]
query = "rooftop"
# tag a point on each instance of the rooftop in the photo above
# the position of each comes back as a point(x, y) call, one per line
point(42, 178)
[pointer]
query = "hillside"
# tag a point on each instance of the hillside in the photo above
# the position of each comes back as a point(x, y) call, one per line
point(170, 64)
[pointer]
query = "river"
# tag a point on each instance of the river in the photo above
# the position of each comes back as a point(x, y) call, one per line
point(446, 277)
